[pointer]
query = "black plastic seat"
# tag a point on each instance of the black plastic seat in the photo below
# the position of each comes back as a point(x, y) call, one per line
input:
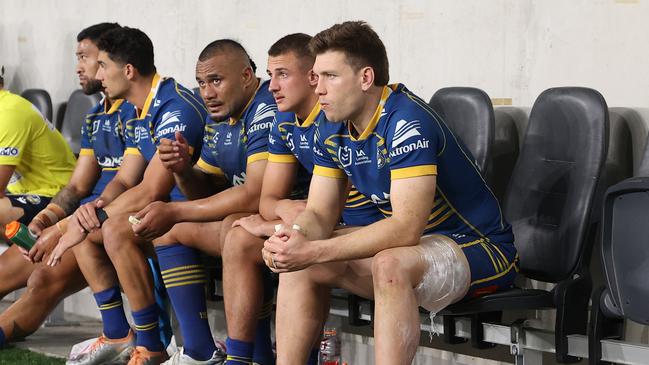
point(41, 100)
point(624, 254)
point(548, 203)
point(468, 112)
point(77, 107)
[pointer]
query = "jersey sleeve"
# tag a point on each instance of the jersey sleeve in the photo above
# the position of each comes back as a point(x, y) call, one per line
point(14, 137)
point(181, 118)
point(131, 137)
point(278, 144)
point(413, 142)
point(257, 132)
point(206, 161)
point(323, 160)
point(86, 136)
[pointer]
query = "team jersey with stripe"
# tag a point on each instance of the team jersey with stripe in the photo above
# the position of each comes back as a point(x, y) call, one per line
point(404, 139)
point(102, 137)
point(231, 144)
point(169, 108)
point(292, 141)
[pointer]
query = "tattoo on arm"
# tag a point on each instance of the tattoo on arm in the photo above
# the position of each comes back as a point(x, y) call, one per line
point(67, 199)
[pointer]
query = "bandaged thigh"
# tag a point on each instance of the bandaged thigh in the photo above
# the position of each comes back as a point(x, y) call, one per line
point(447, 276)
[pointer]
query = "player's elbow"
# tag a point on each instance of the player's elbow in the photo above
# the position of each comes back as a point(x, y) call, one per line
point(267, 208)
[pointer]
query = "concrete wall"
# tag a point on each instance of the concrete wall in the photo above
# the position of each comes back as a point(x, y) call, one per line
point(510, 48)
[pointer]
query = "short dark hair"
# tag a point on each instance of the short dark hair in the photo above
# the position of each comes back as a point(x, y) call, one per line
point(94, 32)
point(360, 44)
point(225, 45)
point(129, 46)
point(298, 43)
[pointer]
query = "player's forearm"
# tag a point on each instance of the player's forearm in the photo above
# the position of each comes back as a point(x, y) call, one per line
point(369, 240)
point(135, 199)
point(114, 189)
point(236, 199)
point(267, 205)
point(68, 198)
point(195, 184)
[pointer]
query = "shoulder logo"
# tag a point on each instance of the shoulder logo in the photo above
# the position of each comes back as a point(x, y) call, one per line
point(9, 151)
point(156, 103)
point(264, 111)
point(168, 118)
point(345, 156)
point(405, 130)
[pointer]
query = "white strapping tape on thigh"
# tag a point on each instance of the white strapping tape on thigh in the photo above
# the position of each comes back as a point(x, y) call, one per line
point(447, 277)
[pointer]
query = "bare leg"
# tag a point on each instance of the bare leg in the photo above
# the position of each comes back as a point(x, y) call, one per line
point(242, 283)
point(95, 266)
point(46, 287)
point(14, 271)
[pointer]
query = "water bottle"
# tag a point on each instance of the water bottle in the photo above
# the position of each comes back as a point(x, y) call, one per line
point(20, 235)
point(330, 347)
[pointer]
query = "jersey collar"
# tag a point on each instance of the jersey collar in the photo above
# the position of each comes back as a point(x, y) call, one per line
point(310, 118)
point(155, 84)
point(113, 108)
point(234, 121)
point(375, 118)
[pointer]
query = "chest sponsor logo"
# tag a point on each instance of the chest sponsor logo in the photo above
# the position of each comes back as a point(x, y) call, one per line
point(361, 158)
point(106, 127)
point(260, 126)
point(228, 139)
point(9, 151)
point(380, 200)
point(304, 142)
point(345, 156)
point(405, 130)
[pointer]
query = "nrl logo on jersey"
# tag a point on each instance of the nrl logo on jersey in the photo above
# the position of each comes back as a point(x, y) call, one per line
point(289, 141)
point(95, 127)
point(345, 156)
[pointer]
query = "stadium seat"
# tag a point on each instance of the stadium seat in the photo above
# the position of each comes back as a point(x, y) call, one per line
point(548, 203)
point(41, 100)
point(624, 254)
point(468, 112)
point(78, 105)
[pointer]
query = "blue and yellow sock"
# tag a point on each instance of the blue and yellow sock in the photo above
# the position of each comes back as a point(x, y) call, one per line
point(162, 301)
point(111, 308)
point(239, 352)
point(146, 328)
point(185, 279)
point(263, 349)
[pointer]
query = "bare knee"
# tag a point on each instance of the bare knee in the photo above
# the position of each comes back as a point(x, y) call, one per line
point(389, 271)
point(242, 246)
point(116, 232)
point(45, 283)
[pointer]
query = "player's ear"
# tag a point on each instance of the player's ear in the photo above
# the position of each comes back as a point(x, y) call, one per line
point(367, 78)
point(129, 71)
point(313, 78)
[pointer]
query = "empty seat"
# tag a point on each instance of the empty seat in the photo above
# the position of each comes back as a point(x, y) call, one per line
point(624, 253)
point(41, 100)
point(78, 105)
point(548, 203)
point(468, 112)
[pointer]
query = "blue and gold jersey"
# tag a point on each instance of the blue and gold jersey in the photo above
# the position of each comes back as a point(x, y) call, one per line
point(291, 142)
point(229, 145)
point(103, 137)
point(169, 108)
point(404, 139)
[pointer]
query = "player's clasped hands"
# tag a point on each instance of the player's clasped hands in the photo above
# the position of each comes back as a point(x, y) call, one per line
point(175, 155)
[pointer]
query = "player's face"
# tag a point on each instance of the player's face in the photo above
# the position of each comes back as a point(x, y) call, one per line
point(339, 86)
point(221, 83)
point(291, 83)
point(112, 77)
point(87, 66)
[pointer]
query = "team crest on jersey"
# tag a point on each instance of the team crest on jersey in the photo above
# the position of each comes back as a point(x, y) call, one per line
point(405, 130)
point(345, 156)
point(289, 141)
point(381, 160)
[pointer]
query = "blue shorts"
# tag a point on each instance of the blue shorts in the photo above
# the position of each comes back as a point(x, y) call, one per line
point(362, 215)
point(31, 204)
point(493, 264)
